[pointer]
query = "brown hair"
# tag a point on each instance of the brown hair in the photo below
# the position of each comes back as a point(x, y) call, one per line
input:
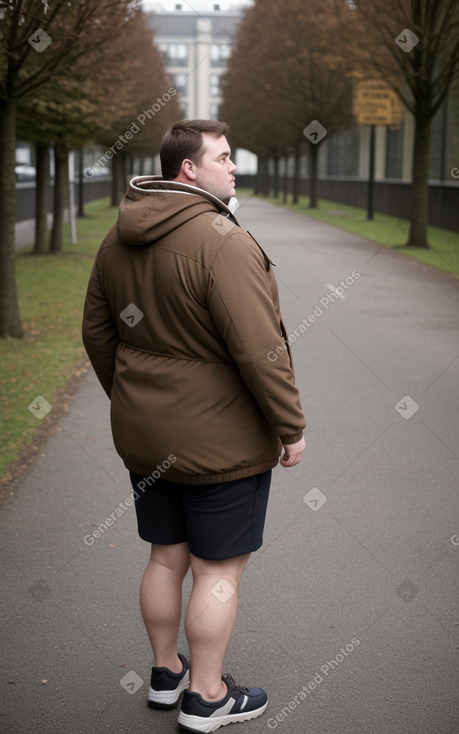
point(184, 140)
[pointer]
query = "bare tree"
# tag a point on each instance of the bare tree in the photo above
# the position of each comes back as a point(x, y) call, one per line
point(39, 41)
point(285, 69)
point(100, 100)
point(414, 46)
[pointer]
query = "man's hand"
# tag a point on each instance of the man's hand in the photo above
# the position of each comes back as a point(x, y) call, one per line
point(293, 453)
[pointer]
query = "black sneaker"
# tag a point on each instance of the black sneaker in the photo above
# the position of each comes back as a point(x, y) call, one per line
point(239, 704)
point(166, 687)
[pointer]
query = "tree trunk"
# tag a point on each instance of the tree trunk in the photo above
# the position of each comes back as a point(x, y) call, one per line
point(80, 179)
point(10, 321)
point(419, 187)
point(118, 179)
point(41, 199)
point(285, 182)
point(125, 173)
point(314, 176)
point(276, 182)
point(258, 176)
point(114, 186)
point(266, 189)
point(128, 168)
point(262, 176)
point(61, 197)
point(296, 178)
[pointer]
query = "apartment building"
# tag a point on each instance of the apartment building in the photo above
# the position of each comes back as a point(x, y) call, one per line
point(195, 40)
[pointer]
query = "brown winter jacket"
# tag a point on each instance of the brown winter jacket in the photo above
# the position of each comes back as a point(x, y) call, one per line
point(180, 314)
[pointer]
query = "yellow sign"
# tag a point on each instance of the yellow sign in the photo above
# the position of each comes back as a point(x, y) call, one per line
point(375, 103)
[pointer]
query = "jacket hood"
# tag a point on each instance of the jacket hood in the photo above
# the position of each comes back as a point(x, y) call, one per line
point(153, 208)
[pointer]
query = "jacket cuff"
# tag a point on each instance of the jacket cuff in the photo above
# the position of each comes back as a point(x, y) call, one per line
point(294, 438)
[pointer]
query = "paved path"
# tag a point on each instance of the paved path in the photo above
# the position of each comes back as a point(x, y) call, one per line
point(348, 614)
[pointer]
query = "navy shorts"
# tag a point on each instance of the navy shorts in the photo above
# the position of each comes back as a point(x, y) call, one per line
point(218, 521)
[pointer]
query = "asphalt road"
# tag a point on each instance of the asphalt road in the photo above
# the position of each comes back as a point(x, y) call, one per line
point(349, 613)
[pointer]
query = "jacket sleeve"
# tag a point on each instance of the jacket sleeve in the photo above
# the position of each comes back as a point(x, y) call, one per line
point(242, 298)
point(100, 335)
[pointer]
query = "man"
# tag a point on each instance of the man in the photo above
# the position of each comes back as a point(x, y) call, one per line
point(180, 314)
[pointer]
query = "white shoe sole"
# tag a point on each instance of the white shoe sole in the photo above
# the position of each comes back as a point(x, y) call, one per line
point(167, 699)
point(205, 725)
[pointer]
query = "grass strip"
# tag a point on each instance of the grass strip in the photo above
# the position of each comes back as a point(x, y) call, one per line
point(51, 295)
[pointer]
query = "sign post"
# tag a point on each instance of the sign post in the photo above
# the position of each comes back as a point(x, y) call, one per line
point(371, 175)
point(375, 103)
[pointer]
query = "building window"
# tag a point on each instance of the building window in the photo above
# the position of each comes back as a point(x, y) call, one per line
point(394, 152)
point(220, 53)
point(176, 54)
point(213, 109)
point(343, 154)
point(181, 84)
point(215, 85)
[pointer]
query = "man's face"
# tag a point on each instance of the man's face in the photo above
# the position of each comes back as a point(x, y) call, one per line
point(215, 172)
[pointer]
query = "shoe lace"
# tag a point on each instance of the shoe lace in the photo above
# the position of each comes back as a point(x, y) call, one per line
point(229, 680)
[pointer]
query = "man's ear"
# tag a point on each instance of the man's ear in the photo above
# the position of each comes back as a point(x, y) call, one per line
point(188, 169)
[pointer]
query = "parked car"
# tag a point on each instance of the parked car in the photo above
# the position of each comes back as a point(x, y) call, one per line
point(25, 173)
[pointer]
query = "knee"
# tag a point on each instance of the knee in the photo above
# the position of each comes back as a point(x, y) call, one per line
point(230, 569)
point(175, 557)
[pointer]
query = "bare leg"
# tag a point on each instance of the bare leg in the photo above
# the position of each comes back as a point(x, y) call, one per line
point(209, 622)
point(161, 601)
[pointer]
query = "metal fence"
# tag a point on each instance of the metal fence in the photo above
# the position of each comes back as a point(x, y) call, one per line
point(391, 196)
point(25, 196)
